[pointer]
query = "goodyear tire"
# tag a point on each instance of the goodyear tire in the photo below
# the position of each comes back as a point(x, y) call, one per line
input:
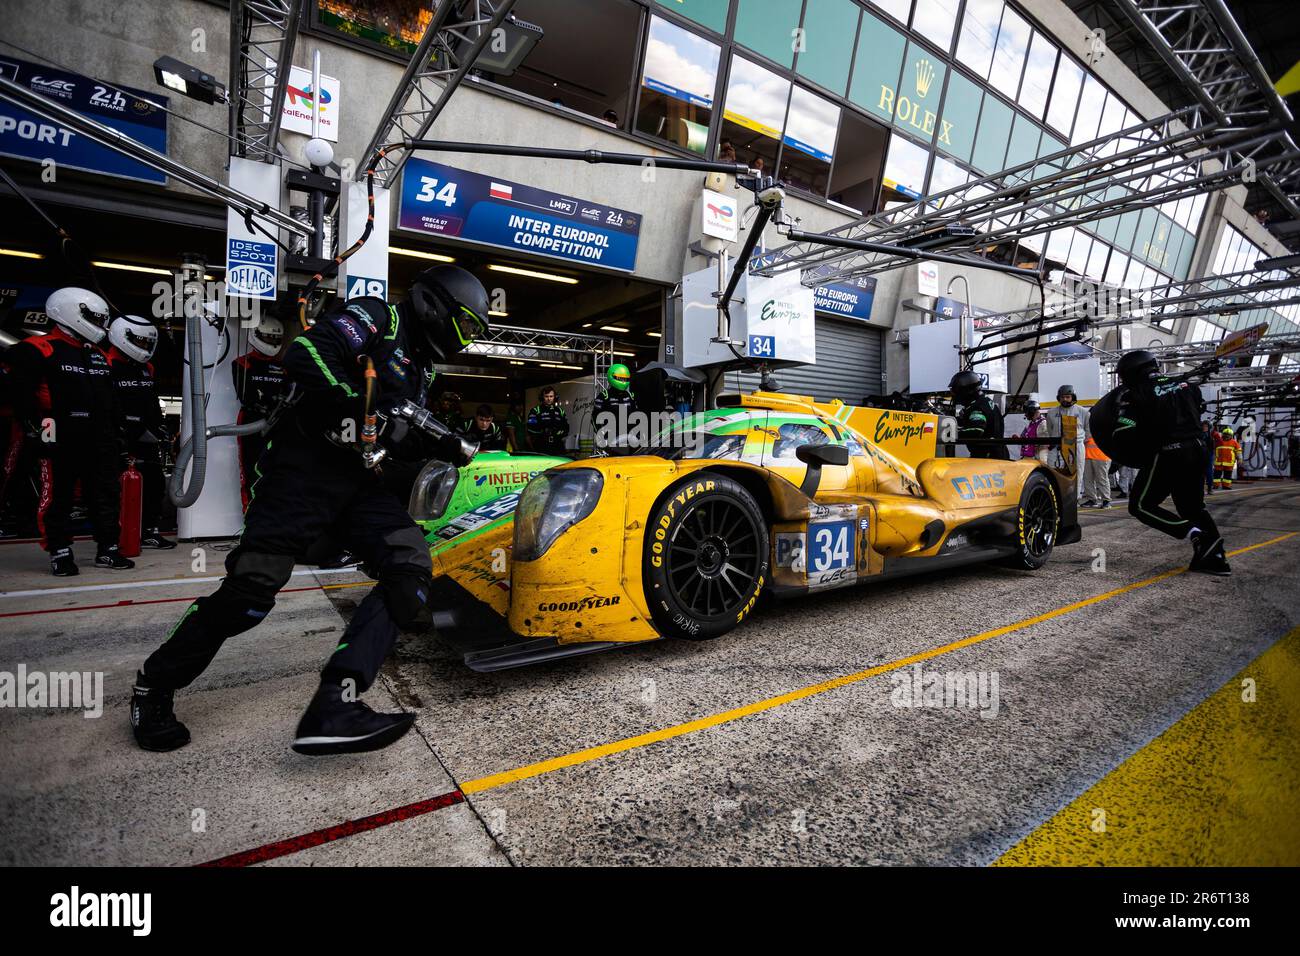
point(705, 560)
point(1037, 519)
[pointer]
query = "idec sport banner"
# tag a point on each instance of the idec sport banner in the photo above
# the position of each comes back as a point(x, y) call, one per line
point(444, 201)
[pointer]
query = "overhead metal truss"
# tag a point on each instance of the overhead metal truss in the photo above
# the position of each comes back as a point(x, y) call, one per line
point(458, 32)
point(262, 37)
point(540, 345)
point(1183, 153)
point(1190, 353)
point(1201, 44)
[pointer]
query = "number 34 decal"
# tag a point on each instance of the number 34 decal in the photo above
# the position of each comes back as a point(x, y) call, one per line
point(830, 546)
point(430, 192)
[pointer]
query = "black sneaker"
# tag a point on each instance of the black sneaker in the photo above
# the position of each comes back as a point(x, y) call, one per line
point(153, 539)
point(110, 558)
point(153, 721)
point(62, 564)
point(341, 560)
point(1104, 504)
point(1208, 557)
point(332, 725)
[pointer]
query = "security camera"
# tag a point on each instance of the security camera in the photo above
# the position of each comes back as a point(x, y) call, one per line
point(318, 152)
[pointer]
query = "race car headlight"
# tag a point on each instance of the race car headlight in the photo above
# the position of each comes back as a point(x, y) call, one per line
point(432, 490)
point(553, 503)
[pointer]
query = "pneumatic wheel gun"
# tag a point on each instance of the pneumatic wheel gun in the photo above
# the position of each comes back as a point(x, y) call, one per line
point(449, 445)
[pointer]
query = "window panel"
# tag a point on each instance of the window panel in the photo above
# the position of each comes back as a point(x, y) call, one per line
point(859, 155)
point(1116, 268)
point(979, 34)
point(1038, 75)
point(754, 113)
point(904, 172)
point(768, 27)
point(830, 27)
point(1023, 145)
point(1096, 268)
point(1091, 103)
point(991, 138)
point(945, 175)
point(809, 141)
point(1009, 54)
point(959, 116)
point(934, 20)
point(681, 71)
point(920, 89)
point(876, 69)
point(707, 13)
point(1065, 95)
point(898, 9)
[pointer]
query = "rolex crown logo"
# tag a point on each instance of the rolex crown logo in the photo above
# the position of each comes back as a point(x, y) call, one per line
point(924, 77)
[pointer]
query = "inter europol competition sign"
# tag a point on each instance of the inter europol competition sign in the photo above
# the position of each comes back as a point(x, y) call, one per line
point(441, 200)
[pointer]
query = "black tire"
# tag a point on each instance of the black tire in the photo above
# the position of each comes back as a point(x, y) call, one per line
point(705, 559)
point(1038, 518)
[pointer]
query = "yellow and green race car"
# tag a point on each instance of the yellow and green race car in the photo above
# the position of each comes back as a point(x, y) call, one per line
point(773, 494)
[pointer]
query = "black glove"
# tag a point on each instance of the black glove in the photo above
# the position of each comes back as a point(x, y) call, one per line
point(453, 450)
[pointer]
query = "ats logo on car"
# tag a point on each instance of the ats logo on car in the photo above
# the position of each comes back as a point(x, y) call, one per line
point(988, 485)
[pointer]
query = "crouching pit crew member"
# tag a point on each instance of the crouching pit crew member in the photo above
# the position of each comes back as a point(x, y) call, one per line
point(318, 482)
point(978, 417)
point(483, 430)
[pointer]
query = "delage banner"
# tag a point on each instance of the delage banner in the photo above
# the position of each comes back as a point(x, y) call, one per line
point(444, 201)
point(27, 136)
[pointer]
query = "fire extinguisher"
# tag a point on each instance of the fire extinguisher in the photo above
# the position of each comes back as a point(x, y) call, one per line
point(130, 513)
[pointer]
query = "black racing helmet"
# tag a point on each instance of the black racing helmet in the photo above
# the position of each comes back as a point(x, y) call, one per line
point(450, 308)
point(1136, 367)
point(965, 386)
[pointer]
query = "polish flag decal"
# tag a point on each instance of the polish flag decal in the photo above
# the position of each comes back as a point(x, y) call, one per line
point(498, 191)
point(927, 428)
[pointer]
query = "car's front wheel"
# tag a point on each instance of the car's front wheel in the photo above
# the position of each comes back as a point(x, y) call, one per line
point(1037, 520)
point(705, 560)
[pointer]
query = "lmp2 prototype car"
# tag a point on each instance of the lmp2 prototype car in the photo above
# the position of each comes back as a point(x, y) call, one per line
point(773, 495)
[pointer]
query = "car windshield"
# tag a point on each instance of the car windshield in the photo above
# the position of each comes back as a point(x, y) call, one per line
point(719, 433)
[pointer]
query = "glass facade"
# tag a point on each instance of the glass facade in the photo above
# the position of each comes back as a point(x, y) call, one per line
point(866, 103)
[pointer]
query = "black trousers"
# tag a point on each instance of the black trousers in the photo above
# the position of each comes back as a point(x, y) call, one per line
point(308, 489)
point(80, 454)
point(1178, 472)
point(250, 453)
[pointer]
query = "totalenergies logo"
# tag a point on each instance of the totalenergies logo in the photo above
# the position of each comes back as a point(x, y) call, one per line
point(305, 97)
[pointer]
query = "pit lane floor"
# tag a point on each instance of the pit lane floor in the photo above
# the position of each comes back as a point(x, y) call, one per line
point(1119, 689)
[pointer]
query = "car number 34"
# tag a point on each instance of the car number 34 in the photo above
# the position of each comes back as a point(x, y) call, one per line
point(830, 546)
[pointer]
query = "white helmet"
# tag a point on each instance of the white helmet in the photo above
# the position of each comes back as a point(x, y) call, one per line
point(80, 311)
point(268, 336)
point(134, 337)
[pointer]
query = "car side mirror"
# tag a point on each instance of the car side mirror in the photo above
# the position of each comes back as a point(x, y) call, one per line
point(816, 456)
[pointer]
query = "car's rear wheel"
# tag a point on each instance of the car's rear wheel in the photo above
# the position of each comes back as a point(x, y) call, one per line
point(705, 561)
point(1037, 520)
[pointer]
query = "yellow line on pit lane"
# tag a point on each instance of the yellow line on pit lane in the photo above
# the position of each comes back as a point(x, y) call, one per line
point(758, 707)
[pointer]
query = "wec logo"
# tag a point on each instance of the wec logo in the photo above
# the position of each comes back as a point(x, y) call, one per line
point(980, 486)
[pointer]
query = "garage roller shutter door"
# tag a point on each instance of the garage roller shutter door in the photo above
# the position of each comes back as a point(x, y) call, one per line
point(850, 365)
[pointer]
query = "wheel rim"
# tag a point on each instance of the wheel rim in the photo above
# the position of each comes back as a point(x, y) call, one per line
point(713, 558)
point(1040, 521)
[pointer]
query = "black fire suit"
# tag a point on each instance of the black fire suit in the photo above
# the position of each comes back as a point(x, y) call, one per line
point(610, 431)
point(487, 439)
point(311, 488)
point(260, 383)
point(547, 428)
point(143, 429)
point(982, 419)
point(63, 392)
point(1167, 413)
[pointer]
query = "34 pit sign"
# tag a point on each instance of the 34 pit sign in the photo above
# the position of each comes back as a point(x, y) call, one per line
point(444, 201)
